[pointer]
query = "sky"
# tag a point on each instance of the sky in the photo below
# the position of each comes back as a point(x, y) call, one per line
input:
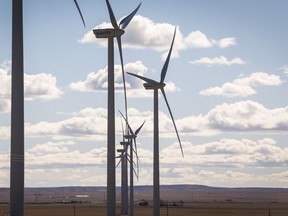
point(226, 85)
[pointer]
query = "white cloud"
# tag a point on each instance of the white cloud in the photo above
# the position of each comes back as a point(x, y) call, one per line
point(5, 106)
point(4, 132)
point(228, 158)
point(40, 86)
point(50, 147)
point(82, 125)
point(5, 80)
point(285, 69)
point(143, 33)
point(226, 42)
point(227, 153)
point(244, 86)
point(248, 116)
point(65, 157)
point(218, 61)
point(259, 79)
point(229, 90)
point(197, 39)
point(98, 81)
point(236, 117)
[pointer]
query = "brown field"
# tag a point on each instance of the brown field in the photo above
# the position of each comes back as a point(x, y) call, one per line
point(197, 201)
point(204, 209)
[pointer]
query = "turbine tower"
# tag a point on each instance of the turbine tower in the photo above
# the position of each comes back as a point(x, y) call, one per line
point(17, 111)
point(155, 86)
point(110, 34)
point(124, 174)
point(124, 177)
point(131, 137)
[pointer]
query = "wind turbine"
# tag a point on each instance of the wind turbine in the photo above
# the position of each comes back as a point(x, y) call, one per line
point(117, 31)
point(154, 85)
point(131, 136)
point(110, 34)
point(124, 174)
point(124, 177)
point(17, 111)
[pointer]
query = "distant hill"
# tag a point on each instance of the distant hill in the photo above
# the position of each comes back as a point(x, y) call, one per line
point(188, 193)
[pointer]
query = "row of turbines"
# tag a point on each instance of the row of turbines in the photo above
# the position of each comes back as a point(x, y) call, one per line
point(17, 117)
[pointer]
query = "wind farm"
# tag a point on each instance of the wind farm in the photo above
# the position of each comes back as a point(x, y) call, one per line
point(202, 84)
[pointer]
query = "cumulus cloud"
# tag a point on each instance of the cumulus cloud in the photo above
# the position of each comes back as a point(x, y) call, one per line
point(226, 42)
point(5, 80)
point(58, 155)
point(239, 116)
point(227, 153)
point(5, 106)
point(50, 147)
point(40, 86)
point(4, 132)
point(197, 39)
point(285, 69)
point(231, 154)
point(228, 157)
point(97, 81)
point(218, 61)
point(143, 33)
point(81, 125)
point(248, 116)
point(244, 86)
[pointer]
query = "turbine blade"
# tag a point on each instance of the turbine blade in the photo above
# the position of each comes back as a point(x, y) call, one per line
point(112, 17)
point(119, 162)
point(122, 129)
point(150, 81)
point(165, 66)
point(78, 8)
point(135, 145)
point(131, 131)
point(163, 92)
point(138, 130)
point(137, 157)
point(123, 77)
point(126, 20)
point(135, 174)
point(129, 161)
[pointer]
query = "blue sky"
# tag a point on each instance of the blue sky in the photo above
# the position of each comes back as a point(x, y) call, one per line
point(226, 85)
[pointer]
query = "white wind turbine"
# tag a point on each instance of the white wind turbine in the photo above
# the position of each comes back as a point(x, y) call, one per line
point(17, 111)
point(124, 177)
point(110, 33)
point(124, 174)
point(154, 85)
point(131, 137)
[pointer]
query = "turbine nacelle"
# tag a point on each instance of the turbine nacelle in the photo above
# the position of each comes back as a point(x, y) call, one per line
point(121, 150)
point(108, 33)
point(153, 86)
point(125, 143)
point(130, 136)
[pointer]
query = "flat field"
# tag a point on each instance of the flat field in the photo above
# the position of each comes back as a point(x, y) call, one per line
point(204, 209)
point(179, 200)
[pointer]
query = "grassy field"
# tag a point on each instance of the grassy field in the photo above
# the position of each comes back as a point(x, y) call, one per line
point(200, 209)
point(197, 201)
